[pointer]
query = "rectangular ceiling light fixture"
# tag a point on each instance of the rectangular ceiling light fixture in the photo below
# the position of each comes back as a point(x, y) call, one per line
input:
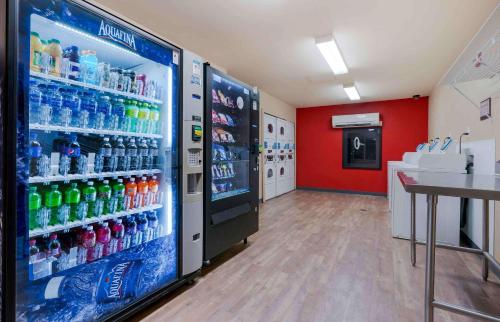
point(331, 53)
point(352, 92)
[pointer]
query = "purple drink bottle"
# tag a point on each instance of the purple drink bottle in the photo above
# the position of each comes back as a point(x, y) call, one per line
point(130, 238)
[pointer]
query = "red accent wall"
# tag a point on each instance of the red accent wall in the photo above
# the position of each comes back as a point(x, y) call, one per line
point(319, 146)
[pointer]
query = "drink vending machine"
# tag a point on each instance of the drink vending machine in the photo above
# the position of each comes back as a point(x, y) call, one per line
point(91, 164)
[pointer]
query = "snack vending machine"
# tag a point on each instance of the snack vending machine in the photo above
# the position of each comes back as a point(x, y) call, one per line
point(231, 162)
point(91, 169)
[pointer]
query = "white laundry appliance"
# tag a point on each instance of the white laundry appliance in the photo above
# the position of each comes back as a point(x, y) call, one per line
point(436, 157)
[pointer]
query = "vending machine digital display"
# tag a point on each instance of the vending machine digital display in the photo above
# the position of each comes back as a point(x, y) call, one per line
point(231, 161)
point(95, 108)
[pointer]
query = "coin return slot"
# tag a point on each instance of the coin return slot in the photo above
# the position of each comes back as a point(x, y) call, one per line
point(194, 183)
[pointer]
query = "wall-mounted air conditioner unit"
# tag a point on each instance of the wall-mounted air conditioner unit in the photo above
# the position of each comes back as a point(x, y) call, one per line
point(356, 120)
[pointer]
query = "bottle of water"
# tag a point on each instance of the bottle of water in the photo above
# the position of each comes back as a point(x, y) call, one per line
point(88, 109)
point(55, 101)
point(117, 121)
point(35, 97)
point(71, 102)
point(45, 107)
point(103, 112)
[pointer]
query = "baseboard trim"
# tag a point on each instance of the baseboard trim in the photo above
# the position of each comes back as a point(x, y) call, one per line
point(352, 192)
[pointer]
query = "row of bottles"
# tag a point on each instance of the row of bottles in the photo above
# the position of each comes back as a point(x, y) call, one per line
point(108, 157)
point(56, 253)
point(77, 202)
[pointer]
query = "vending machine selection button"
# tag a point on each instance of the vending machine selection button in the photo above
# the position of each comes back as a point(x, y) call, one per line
point(197, 133)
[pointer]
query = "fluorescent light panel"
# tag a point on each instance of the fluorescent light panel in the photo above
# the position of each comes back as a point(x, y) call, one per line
point(331, 53)
point(352, 92)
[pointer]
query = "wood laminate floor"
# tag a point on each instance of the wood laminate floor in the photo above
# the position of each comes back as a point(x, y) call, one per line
point(322, 256)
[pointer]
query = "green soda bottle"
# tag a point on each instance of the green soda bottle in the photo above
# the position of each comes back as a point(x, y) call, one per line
point(53, 201)
point(35, 203)
point(72, 199)
point(144, 114)
point(131, 115)
point(90, 196)
point(104, 193)
point(119, 194)
point(154, 119)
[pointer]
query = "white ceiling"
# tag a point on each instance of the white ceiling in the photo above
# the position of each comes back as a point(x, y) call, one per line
point(393, 48)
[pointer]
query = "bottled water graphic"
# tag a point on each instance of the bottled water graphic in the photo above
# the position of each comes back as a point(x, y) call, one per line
point(88, 292)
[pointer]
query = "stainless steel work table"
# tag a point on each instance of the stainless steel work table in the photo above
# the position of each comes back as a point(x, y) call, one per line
point(471, 186)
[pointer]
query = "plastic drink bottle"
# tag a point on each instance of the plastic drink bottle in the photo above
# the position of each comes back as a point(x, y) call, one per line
point(72, 198)
point(90, 197)
point(71, 53)
point(131, 192)
point(117, 115)
point(70, 107)
point(130, 238)
point(104, 194)
point(88, 66)
point(72, 150)
point(142, 190)
point(143, 151)
point(131, 115)
point(53, 246)
point(142, 227)
point(36, 48)
point(35, 102)
point(35, 155)
point(131, 153)
point(119, 194)
point(106, 151)
point(154, 186)
point(103, 112)
point(143, 117)
point(119, 154)
point(153, 224)
point(88, 240)
point(33, 250)
point(35, 203)
point(53, 201)
point(154, 119)
point(55, 52)
point(55, 102)
point(117, 234)
point(103, 239)
point(114, 281)
point(88, 110)
point(153, 154)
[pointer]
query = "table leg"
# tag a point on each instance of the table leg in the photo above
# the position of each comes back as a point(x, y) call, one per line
point(486, 237)
point(430, 258)
point(413, 245)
